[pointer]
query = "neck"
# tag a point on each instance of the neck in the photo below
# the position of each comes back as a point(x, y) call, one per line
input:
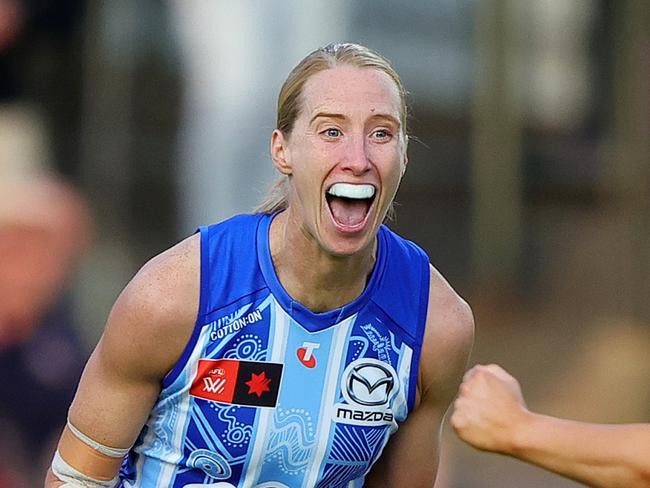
point(313, 277)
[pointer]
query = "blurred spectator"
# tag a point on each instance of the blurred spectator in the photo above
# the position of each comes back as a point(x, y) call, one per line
point(29, 26)
point(44, 228)
point(11, 21)
point(40, 81)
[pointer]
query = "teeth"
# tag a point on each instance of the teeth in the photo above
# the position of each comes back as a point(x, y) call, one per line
point(347, 190)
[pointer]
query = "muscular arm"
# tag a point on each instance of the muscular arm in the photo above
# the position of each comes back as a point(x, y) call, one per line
point(411, 456)
point(145, 334)
point(490, 414)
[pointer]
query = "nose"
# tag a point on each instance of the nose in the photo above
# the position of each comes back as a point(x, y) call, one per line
point(356, 158)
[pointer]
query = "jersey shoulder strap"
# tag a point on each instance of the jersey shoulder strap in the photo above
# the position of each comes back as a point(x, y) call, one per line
point(229, 263)
point(403, 293)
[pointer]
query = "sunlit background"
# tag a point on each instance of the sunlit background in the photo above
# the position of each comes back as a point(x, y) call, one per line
point(528, 182)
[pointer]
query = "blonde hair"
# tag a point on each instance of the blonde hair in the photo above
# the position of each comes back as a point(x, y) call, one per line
point(290, 103)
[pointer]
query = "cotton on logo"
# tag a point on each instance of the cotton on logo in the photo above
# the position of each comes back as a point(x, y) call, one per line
point(213, 386)
point(306, 354)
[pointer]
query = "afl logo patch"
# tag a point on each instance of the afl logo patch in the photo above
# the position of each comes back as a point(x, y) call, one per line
point(238, 382)
point(369, 382)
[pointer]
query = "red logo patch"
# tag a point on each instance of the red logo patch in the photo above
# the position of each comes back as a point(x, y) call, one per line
point(253, 383)
point(215, 380)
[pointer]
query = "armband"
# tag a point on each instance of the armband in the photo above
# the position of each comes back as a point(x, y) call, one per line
point(83, 462)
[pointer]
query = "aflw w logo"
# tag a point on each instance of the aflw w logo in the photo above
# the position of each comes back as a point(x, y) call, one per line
point(213, 386)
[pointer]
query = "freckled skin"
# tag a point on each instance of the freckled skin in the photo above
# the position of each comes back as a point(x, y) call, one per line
point(351, 136)
point(315, 161)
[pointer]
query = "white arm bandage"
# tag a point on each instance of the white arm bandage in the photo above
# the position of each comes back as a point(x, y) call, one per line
point(72, 477)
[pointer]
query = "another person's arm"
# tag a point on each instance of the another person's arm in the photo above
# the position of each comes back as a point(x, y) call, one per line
point(146, 332)
point(411, 456)
point(490, 414)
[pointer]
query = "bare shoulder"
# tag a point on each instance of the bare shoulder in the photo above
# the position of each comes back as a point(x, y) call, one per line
point(449, 316)
point(448, 339)
point(155, 312)
point(146, 332)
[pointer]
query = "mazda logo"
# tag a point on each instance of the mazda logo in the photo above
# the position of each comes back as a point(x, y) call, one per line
point(369, 382)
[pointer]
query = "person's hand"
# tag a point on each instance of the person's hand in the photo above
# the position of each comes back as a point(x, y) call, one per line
point(490, 409)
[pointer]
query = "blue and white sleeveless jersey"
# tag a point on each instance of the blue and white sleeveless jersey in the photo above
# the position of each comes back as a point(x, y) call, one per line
point(268, 394)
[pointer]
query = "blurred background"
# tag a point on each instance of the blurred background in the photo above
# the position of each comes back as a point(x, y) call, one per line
point(125, 124)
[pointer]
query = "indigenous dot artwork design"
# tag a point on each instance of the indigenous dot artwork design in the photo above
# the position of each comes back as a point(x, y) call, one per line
point(292, 442)
point(270, 395)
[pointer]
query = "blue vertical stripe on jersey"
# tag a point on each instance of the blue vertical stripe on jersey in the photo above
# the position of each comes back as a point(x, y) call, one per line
point(335, 367)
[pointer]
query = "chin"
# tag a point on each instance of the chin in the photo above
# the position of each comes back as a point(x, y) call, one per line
point(348, 246)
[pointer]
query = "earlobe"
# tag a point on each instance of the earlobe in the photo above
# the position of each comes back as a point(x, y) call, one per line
point(280, 152)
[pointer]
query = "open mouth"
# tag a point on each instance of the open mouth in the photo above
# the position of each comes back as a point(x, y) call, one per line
point(350, 203)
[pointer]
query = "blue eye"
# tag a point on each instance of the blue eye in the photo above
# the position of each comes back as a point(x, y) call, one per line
point(381, 134)
point(332, 132)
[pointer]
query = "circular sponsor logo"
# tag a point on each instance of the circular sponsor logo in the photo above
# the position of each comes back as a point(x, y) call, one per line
point(369, 382)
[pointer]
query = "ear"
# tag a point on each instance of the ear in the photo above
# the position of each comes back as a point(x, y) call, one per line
point(280, 152)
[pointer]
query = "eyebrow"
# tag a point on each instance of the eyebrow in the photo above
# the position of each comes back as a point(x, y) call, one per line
point(337, 116)
point(390, 117)
point(327, 115)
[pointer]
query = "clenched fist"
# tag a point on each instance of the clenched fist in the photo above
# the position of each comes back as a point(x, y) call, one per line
point(490, 411)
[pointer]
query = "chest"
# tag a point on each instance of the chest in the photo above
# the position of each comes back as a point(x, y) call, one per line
point(269, 400)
